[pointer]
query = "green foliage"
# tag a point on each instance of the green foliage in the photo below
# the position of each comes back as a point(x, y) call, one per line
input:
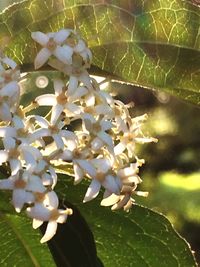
point(138, 239)
point(19, 245)
point(156, 43)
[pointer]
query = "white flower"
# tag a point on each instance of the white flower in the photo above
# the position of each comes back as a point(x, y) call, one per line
point(23, 185)
point(98, 129)
point(46, 210)
point(59, 101)
point(55, 131)
point(103, 177)
point(131, 134)
point(52, 45)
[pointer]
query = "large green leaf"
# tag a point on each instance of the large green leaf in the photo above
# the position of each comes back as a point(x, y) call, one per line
point(141, 238)
point(153, 44)
point(19, 244)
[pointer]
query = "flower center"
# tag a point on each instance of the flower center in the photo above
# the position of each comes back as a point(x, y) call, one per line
point(51, 45)
point(20, 184)
point(62, 99)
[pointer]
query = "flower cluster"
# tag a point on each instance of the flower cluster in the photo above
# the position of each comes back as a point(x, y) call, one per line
point(102, 150)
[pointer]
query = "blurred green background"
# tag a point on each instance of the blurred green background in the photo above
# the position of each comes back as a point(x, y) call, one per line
point(172, 170)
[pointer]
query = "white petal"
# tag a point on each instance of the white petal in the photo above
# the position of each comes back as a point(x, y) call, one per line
point(7, 131)
point(51, 200)
point(121, 203)
point(73, 84)
point(103, 109)
point(96, 144)
point(40, 38)
point(110, 200)
point(119, 148)
point(78, 172)
point(42, 122)
point(18, 199)
point(11, 63)
point(7, 184)
point(93, 190)
point(35, 184)
point(18, 122)
point(64, 54)
point(61, 35)
point(87, 167)
point(58, 86)
point(62, 218)
point(144, 140)
point(46, 100)
point(99, 163)
point(10, 89)
point(58, 140)
point(90, 100)
point(129, 171)
point(15, 166)
point(53, 176)
point(107, 97)
point(30, 160)
point(36, 223)
point(74, 109)
point(106, 125)
point(106, 138)
point(56, 112)
point(85, 79)
point(5, 114)
point(42, 57)
point(80, 46)
point(9, 143)
point(79, 92)
point(39, 212)
point(3, 156)
point(50, 231)
point(111, 184)
point(67, 155)
point(38, 134)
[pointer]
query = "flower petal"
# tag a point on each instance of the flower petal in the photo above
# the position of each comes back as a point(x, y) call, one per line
point(110, 200)
point(7, 131)
point(50, 231)
point(79, 174)
point(9, 143)
point(64, 54)
point(61, 35)
point(3, 156)
point(42, 57)
point(36, 223)
point(93, 190)
point(5, 114)
point(87, 167)
point(56, 112)
point(40, 38)
point(46, 100)
point(58, 86)
point(73, 84)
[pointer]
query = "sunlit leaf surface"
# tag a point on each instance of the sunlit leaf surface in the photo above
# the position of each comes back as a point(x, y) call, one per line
point(153, 44)
point(20, 244)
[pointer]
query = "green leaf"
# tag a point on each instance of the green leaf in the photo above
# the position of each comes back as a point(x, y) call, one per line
point(153, 44)
point(141, 238)
point(20, 244)
point(74, 238)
